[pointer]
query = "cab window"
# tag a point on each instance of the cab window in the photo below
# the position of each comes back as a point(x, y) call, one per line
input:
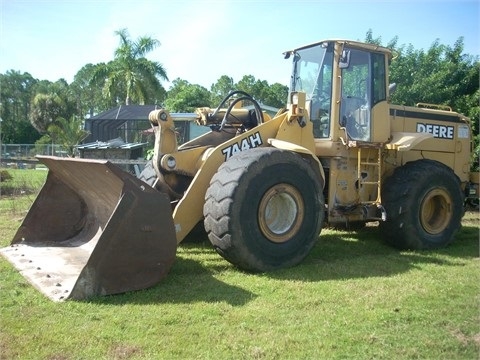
point(356, 99)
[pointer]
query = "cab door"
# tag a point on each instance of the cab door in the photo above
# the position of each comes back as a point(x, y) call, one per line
point(363, 102)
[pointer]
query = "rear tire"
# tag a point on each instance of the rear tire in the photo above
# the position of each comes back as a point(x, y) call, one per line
point(424, 205)
point(264, 209)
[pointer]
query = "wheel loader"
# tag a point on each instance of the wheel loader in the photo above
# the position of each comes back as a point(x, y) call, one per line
point(260, 187)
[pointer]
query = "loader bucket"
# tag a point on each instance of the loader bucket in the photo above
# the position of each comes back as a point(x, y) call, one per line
point(93, 230)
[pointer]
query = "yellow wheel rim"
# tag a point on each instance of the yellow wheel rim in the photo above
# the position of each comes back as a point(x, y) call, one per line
point(436, 211)
point(281, 213)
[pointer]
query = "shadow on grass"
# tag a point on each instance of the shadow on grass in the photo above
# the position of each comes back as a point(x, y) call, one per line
point(188, 282)
point(349, 255)
point(337, 256)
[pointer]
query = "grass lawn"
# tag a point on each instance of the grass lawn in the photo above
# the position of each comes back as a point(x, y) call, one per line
point(352, 298)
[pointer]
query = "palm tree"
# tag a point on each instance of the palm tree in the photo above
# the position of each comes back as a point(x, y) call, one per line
point(68, 134)
point(46, 108)
point(131, 71)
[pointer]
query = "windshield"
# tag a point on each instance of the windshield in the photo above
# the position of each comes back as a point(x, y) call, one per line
point(312, 74)
point(310, 67)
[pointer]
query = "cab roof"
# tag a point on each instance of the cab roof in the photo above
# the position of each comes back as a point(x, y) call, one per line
point(351, 43)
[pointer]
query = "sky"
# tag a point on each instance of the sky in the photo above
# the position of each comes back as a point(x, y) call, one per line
point(201, 40)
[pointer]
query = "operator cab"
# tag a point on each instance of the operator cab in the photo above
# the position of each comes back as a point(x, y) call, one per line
point(356, 73)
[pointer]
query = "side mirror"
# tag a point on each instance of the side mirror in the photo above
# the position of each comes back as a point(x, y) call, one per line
point(392, 88)
point(344, 59)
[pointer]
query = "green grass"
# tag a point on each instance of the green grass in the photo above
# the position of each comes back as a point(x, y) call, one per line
point(352, 298)
point(22, 182)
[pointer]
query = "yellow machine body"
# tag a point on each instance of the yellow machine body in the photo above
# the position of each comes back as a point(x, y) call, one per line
point(260, 187)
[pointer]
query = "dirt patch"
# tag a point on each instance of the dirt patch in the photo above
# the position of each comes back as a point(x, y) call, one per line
point(476, 339)
point(121, 352)
point(465, 339)
point(58, 357)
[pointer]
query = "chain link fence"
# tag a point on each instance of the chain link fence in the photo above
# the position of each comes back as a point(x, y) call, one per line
point(23, 155)
point(29, 151)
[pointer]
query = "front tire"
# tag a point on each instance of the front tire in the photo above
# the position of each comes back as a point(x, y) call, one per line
point(264, 209)
point(424, 205)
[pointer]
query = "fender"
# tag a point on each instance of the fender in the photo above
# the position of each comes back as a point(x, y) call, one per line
point(405, 141)
point(189, 210)
point(285, 145)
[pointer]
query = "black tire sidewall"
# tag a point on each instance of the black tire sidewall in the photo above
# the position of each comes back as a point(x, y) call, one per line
point(248, 247)
point(404, 195)
point(247, 216)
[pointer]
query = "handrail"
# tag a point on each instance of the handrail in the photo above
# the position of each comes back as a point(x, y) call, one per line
point(434, 106)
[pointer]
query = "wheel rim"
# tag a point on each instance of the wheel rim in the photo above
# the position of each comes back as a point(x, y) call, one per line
point(281, 213)
point(436, 211)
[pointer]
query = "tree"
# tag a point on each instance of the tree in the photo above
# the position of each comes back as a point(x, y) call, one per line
point(247, 84)
point(130, 71)
point(87, 94)
point(186, 97)
point(260, 90)
point(392, 44)
point(52, 100)
point(16, 93)
point(441, 75)
point(68, 134)
point(46, 108)
point(275, 95)
point(221, 89)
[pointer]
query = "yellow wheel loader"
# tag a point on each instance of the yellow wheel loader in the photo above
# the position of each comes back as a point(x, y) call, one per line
point(261, 187)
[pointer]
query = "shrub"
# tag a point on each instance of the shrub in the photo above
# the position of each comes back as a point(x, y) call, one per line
point(5, 175)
